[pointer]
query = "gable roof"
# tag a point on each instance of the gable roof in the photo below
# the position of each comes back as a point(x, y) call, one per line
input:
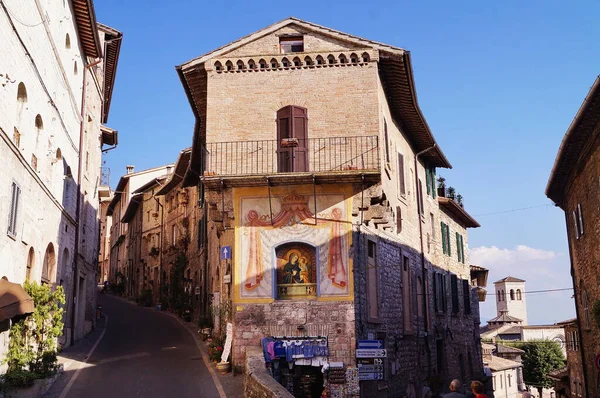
point(580, 136)
point(458, 213)
point(509, 279)
point(138, 198)
point(505, 318)
point(395, 71)
point(87, 31)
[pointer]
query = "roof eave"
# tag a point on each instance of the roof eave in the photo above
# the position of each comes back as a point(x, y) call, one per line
point(112, 51)
point(555, 183)
point(458, 212)
point(87, 29)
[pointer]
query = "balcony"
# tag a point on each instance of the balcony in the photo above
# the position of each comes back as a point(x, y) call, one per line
point(292, 161)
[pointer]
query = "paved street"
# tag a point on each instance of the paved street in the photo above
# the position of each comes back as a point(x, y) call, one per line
point(143, 353)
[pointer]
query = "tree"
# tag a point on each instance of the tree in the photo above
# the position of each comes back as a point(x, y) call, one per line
point(540, 358)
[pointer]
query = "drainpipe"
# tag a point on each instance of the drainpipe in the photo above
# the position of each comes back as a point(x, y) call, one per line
point(577, 313)
point(160, 250)
point(423, 270)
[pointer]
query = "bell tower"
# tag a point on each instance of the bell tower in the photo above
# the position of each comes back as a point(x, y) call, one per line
point(510, 298)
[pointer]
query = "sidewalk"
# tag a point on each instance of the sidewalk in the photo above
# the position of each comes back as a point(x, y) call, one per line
point(233, 386)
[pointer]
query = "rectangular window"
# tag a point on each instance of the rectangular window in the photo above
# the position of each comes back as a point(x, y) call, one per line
point(466, 296)
point(292, 44)
point(449, 244)
point(454, 290)
point(430, 181)
point(460, 248)
point(387, 142)
point(407, 296)
point(398, 219)
point(13, 213)
point(444, 243)
point(401, 181)
point(372, 284)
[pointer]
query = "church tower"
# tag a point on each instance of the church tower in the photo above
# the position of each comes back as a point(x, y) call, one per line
point(510, 298)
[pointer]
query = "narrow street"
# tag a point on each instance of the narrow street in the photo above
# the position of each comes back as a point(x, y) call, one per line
point(143, 353)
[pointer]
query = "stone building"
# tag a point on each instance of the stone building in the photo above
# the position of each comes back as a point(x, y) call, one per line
point(573, 186)
point(569, 380)
point(121, 271)
point(184, 243)
point(57, 80)
point(324, 221)
point(506, 370)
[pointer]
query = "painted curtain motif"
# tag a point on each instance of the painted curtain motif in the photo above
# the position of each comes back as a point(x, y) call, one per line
point(316, 252)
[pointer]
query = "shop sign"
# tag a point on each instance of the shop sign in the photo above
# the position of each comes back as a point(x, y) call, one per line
point(369, 361)
point(369, 368)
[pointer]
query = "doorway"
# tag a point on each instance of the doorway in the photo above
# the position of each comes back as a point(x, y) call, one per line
point(292, 139)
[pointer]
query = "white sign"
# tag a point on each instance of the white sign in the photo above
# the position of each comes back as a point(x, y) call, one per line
point(227, 278)
point(228, 339)
point(370, 376)
point(369, 353)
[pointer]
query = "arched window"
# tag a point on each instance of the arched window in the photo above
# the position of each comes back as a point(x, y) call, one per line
point(502, 295)
point(251, 64)
point(58, 154)
point(218, 66)
point(285, 62)
point(240, 65)
point(67, 41)
point(262, 64)
point(39, 123)
point(519, 297)
point(22, 93)
point(229, 65)
point(331, 59)
point(512, 294)
point(292, 137)
point(49, 268)
point(30, 264)
point(75, 71)
point(499, 296)
point(343, 59)
point(366, 57)
point(296, 270)
point(354, 58)
point(320, 60)
point(297, 62)
point(274, 63)
point(308, 61)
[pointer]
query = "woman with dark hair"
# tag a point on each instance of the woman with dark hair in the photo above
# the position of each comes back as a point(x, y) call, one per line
point(478, 389)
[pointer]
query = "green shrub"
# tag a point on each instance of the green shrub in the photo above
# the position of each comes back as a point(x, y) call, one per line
point(33, 348)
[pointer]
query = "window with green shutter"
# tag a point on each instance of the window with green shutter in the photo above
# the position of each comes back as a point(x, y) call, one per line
point(462, 249)
point(448, 242)
point(458, 246)
point(443, 237)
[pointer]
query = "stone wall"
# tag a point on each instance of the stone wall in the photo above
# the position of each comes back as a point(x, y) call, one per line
point(258, 383)
point(583, 190)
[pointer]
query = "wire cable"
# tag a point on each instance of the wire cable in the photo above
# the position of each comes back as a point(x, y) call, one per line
point(19, 20)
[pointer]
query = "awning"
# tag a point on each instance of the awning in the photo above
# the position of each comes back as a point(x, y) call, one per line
point(14, 301)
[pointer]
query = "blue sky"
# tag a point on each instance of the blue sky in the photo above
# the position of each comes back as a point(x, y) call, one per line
point(498, 83)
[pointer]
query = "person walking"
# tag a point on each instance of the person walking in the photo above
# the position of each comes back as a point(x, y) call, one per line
point(454, 390)
point(478, 389)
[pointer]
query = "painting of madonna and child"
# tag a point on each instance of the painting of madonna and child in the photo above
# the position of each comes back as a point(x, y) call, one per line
point(296, 271)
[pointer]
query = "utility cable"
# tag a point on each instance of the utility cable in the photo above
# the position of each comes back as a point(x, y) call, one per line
point(19, 20)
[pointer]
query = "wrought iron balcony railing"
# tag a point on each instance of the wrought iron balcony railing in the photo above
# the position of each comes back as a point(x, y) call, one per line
point(291, 155)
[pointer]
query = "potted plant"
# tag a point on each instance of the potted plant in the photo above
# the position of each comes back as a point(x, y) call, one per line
point(441, 187)
point(459, 200)
point(451, 193)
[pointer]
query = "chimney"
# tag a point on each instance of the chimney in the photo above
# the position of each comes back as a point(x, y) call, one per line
point(169, 169)
point(129, 169)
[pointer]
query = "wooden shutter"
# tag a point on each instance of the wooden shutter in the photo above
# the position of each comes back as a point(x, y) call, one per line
point(387, 143)
point(420, 197)
point(466, 296)
point(433, 185)
point(398, 219)
point(457, 246)
point(428, 180)
point(449, 243)
point(462, 249)
point(444, 249)
point(580, 219)
point(454, 291)
point(292, 124)
point(14, 209)
point(401, 182)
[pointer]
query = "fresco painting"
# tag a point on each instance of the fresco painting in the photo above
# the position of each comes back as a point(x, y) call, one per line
point(290, 254)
